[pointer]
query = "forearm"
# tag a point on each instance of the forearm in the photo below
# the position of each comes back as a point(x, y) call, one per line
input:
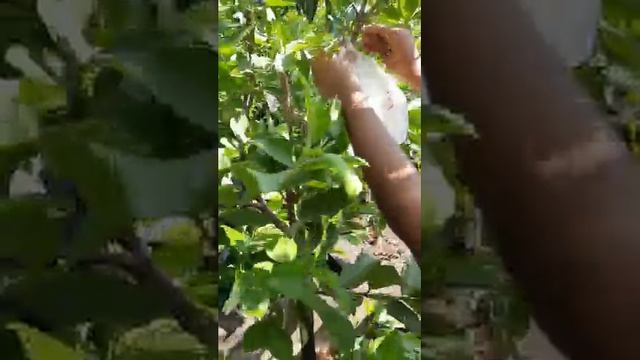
point(393, 179)
point(555, 183)
point(412, 75)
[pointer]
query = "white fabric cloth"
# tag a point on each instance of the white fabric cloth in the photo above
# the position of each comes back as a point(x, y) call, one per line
point(382, 91)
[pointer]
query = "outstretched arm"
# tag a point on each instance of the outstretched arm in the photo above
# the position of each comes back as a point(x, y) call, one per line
point(557, 186)
point(393, 179)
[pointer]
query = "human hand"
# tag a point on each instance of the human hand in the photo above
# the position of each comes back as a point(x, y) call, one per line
point(335, 76)
point(397, 48)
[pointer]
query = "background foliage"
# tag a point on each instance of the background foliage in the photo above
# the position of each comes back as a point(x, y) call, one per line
point(289, 186)
point(107, 128)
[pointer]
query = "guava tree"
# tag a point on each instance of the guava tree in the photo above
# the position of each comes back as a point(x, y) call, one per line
point(108, 111)
point(289, 186)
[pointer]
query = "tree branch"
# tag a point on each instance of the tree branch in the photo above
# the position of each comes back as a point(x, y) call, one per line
point(290, 202)
point(288, 111)
point(208, 228)
point(308, 350)
point(261, 205)
point(191, 317)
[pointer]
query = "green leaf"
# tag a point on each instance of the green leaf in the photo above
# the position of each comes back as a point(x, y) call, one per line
point(331, 280)
point(279, 3)
point(398, 346)
point(318, 119)
point(178, 259)
point(292, 281)
point(368, 269)
point(177, 186)
point(268, 233)
point(441, 121)
point(409, 7)
point(32, 233)
point(382, 276)
point(392, 13)
point(68, 299)
point(183, 77)
point(233, 235)
point(351, 181)
point(340, 138)
point(228, 46)
point(356, 273)
point(161, 339)
point(278, 148)
point(203, 288)
point(327, 203)
point(268, 334)
point(228, 196)
point(40, 95)
point(11, 345)
point(403, 313)
point(164, 354)
point(473, 271)
point(339, 327)
point(621, 47)
point(257, 182)
point(411, 278)
point(250, 293)
point(621, 10)
point(98, 183)
point(125, 115)
point(283, 250)
point(415, 118)
point(352, 184)
point(328, 242)
point(41, 346)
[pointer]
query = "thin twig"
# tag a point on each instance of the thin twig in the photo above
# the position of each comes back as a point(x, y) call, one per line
point(208, 228)
point(262, 206)
point(285, 99)
point(72, 79)
point(305, 315)
point(291, 198)
point(288, 111)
